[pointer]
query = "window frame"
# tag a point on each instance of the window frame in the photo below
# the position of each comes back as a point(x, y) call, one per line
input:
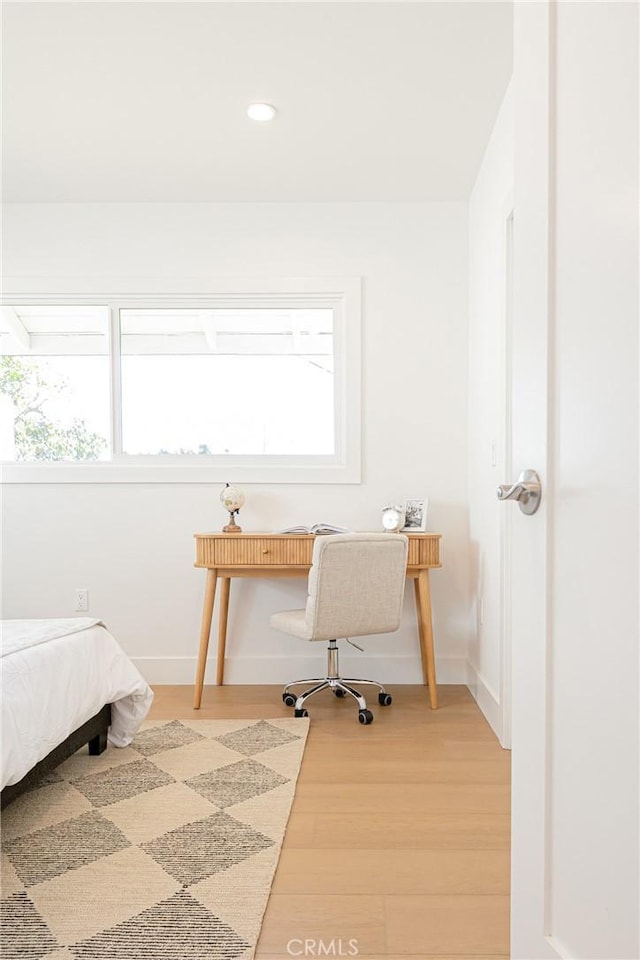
point(342, 294)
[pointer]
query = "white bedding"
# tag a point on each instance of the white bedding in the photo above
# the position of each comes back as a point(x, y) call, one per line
point(56, 675)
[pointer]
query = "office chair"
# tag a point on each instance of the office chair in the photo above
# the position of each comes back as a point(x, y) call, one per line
point(355, 588)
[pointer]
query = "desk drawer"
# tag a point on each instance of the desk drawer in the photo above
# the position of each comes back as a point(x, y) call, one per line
point(262, 551)
point(424, 551)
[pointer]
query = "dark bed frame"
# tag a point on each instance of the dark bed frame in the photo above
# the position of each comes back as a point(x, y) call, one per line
point(93, 732)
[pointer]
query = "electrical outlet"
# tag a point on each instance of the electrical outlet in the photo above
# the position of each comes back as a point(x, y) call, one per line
point(82, 600)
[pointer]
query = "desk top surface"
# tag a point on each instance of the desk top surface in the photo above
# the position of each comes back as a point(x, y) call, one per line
point(303, 536)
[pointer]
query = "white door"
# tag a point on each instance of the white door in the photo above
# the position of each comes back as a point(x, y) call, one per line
point(575, 420)
point(506, 519)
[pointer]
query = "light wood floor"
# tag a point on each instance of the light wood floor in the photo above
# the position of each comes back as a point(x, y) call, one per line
point(399, 832)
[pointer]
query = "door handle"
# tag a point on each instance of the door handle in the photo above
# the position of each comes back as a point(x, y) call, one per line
point(527, 490)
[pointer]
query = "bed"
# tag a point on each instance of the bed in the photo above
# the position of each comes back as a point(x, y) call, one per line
point(64, 683)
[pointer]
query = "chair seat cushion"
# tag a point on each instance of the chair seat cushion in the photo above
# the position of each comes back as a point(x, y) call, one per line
point(293, 622)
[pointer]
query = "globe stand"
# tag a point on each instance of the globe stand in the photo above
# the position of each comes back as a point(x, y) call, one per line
point(232, 526)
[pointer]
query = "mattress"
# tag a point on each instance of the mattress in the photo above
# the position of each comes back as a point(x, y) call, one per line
point(56, 675)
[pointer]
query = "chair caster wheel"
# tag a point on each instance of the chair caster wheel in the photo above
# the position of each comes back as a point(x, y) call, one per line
point(301, 713)
point(339, 693)
point(365, 716)
point(288, 699)
point(385, 699)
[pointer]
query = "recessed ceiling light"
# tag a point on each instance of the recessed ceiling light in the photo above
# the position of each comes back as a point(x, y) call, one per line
point(261, 111)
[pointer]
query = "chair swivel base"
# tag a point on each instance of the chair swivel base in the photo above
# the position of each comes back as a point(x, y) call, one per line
point(340, 687)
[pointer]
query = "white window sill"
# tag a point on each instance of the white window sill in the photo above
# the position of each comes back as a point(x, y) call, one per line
point(235, 471)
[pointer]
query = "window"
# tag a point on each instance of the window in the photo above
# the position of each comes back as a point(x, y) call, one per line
point(247, 388)
point(54, 383)
point(199, 382)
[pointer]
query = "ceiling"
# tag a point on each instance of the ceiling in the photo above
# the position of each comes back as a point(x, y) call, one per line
point(146, 101)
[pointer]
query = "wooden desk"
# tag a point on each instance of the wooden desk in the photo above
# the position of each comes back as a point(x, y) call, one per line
point(228, 555)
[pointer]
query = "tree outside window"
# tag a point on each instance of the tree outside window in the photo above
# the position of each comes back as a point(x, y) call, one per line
point(28, 389)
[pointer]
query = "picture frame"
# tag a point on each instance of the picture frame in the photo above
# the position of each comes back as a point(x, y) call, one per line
point(415, 514)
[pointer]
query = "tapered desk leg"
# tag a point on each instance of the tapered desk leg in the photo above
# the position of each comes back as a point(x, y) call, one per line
point(222, 628)
point(423, 648)
point(424, 601)
point(207, 615)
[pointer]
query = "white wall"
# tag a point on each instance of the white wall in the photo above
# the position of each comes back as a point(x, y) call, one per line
point(489, 205)
point(131, 545)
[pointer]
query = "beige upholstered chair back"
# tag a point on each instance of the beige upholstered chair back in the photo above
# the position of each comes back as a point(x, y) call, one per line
point(356, 585)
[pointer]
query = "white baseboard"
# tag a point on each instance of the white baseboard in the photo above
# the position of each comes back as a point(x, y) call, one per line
point(281, 670)
point(486, 699)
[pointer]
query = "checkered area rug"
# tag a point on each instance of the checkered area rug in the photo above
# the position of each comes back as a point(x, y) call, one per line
point(166, 849)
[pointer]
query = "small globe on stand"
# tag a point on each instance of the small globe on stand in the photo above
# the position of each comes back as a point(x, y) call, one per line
point(232, 499)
